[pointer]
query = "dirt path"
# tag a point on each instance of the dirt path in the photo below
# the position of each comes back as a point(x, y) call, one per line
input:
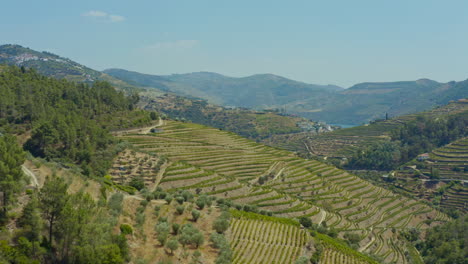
point(139, 130)
point(278, 174)
point(367, 245)
point(160, 174)
point(324, 215)
point(31, 175)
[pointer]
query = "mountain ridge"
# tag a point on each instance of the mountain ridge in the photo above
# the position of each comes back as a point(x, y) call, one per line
point(332, 104)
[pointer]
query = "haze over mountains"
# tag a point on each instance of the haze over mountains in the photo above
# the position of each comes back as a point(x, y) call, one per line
point(358, 104)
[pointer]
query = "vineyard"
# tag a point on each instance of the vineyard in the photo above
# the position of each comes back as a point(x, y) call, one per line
point(342, 143)
point(263, 241)
point(451, 160)
point(222, 164)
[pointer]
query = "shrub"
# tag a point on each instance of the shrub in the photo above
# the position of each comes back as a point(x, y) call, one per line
point(168, 199)
point(221, 225)
point(305, 221)
point(175, 228)
point(180, 199)
point(137, 183)
point(195, 215)
point(200, 203)
point(126, 229)
point(180, 209)
point(302, 260)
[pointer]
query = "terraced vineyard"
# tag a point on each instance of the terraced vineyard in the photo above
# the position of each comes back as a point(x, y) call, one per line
point(449, 189)
point(342, 143)
point(451, 160)
point(257, 241)
point(207, 160)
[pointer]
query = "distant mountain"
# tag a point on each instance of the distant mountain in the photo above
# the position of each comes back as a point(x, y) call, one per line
point(358, 104)
point(256, 91)
point(52, 65)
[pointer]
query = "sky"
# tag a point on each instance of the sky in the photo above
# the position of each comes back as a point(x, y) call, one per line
point(322, 42)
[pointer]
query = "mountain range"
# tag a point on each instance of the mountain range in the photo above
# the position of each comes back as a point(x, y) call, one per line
point(358, 104)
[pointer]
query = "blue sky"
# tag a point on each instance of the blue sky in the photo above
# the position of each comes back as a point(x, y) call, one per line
point(324, 42)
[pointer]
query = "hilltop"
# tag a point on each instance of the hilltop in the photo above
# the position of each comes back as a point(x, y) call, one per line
point(256, 91)
point(49, 64)
point(358, 104)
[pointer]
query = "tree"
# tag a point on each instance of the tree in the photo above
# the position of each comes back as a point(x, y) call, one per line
point(11, 175)
point(162, 230)
point(180, 209)
point(221, 224)
point(75, 217)
point(53, 197)
point(195, 215)
point(175, 228)
point(200, 203)
point(305, 221)
point(190, 235)
point(172, 244)
point(30, 219)
point(198, 239)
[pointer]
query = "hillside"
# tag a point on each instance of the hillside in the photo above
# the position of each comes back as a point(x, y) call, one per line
point(256, 91)
point(358, 104)
point(205, 160)
point(441, 178)
point(343, 143)
point(248, 123)
point(255, 125)
point(52, 65)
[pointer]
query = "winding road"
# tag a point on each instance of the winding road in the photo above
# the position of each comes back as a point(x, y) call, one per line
point(31, 175)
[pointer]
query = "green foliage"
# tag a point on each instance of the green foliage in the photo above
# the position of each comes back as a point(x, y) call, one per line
point(305, 222)
point(195, 215)
point(190, 235)
point(343, 248)
point(302, 260)
point(175, 228)
point(425, 133)
point(221, 224)
point(162, 230)
point(11, 176)
point(115, 204)
point(137, 183)
point(379, 156)
point(77, 229)
point(53, 198)
point(69, 121)
point(180, 209)
point(446, 243)
point(126, 229)
point(172, 244)
point(255, 216)
point(31, 220)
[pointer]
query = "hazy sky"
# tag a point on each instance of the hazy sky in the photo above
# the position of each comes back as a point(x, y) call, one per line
point(324, 42)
